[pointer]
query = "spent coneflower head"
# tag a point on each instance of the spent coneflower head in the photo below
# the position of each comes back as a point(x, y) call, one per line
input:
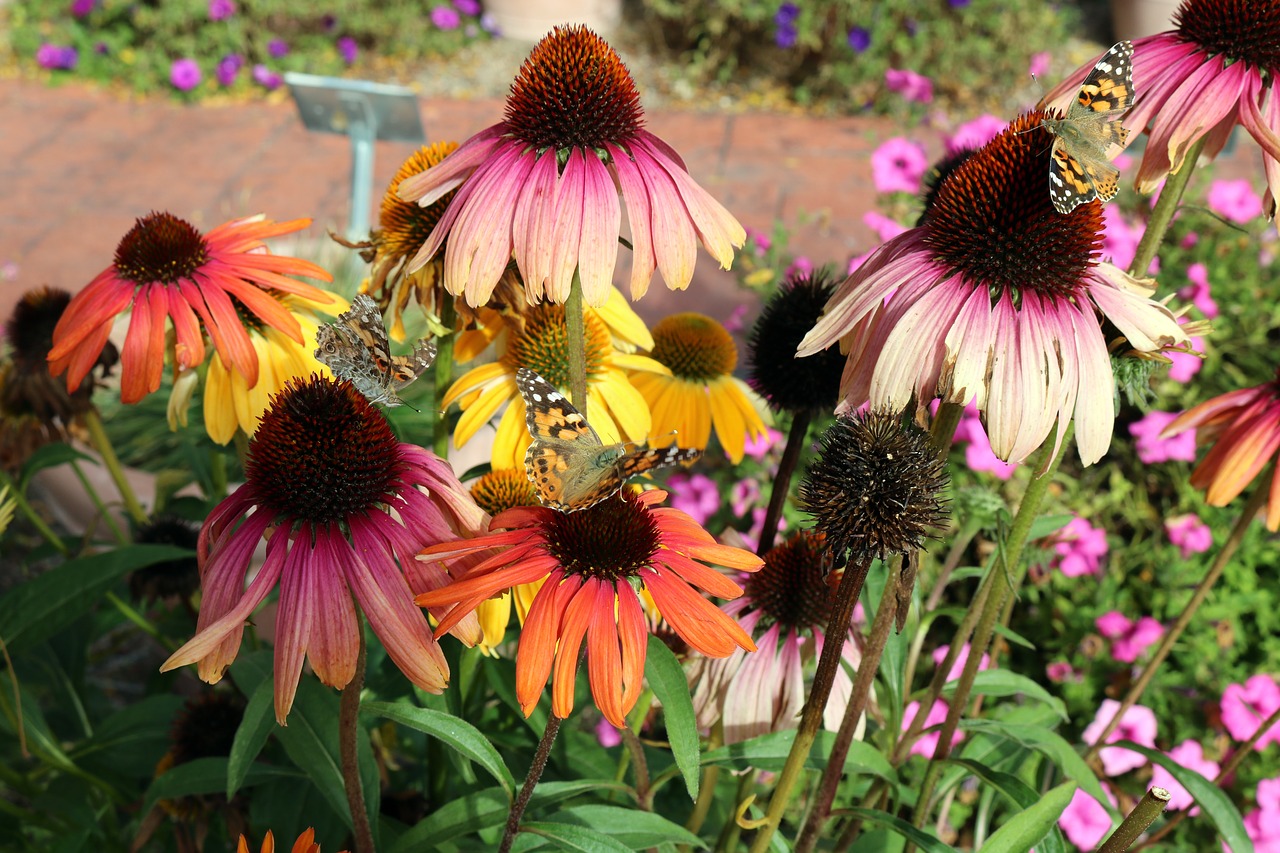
point(996, 300)
point(323, 474)
point(1243, 430)
point(165, 268)
point(593, 563)
point(1214, 70)
point(168, 579)
point(205, 727)
point(698, 390)
point(543, 185)
point(876, 488)
point(785, 608)
point(785, 382)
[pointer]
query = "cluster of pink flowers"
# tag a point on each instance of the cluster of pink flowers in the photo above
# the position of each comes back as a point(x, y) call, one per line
point(1197, 292)
point(912, 86)
point(1151, 448)
point(1190, 755)
point(1128, 639)
point(1263, 823)
point(1234, 200)
point(1137, 725)
point(1079, 548)
point(1189, 534)
point(1246, 706)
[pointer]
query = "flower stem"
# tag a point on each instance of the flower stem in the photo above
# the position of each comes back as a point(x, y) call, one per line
point(98, 438)
point(443, 369)
point(820, 810)
point(1162, 213)
point(782, 481)
point(1008, 572)
point(141, 622)
point(644, 789)
point(943, 429)
point(576, 324)
point(32, 516)
point(1256, 501)
point(96, 499)
point(348, 737)
point(855, 574)
point(539, 764)
point(1143, 815)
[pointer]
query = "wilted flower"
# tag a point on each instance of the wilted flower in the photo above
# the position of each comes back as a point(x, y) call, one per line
point(785, 382)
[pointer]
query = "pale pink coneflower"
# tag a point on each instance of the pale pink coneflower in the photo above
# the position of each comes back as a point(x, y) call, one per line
point(995, 298)
point(543, 184)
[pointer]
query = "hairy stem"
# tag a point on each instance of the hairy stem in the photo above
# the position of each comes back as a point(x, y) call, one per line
point(782, 482)
point(348, 740)
point(539, 764)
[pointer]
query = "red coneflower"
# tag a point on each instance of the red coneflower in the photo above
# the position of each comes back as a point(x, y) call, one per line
point(995, 298)
point(590, 560)
point(164, 267)
point(323, 471)
point(544, 182)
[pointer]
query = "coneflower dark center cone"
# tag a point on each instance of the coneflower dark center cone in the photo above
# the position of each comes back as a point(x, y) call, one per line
point(993, 223)
point(610, 541)
point(791, 588)
point(1243, 30)
point(30, 327)
point(694, 346)
point(573, 92)
point(322, 453)
point(162, 248)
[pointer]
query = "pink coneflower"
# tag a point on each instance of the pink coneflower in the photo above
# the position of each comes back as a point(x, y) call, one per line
point(593, 564)
point(205, 283)
point(995, 297)
point(1198, 81)
point(544, 182)
point(1244, 428)
point(785, 609)
point(322, 474)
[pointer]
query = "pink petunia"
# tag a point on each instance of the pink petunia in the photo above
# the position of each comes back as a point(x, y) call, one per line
point(1234, 200)
point(898, 165)
point(1189, 534)
point(912, 86)
point(886, 229)
point(1197, 292)
point(1263, 823)
point(975, 133)
point(1184, 365)
point(927, 743)
point(695, 494)
point(1128, 639)
point(940, 654)
point(743, 496)
point(1246, 706)
point(1039, 65)
point(1190, 755)
point(1061, 671)
point(1079, 548)
point(1084, 821)
point(978, 454)
point(1138, 725)
point(758, 446)
point(1151, 448)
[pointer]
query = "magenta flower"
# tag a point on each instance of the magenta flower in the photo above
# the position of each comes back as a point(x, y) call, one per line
point(185, 74)
point(1197, 293)
point(1014, 328)
point(912, 86)
point(1152, 448)
point(1079, 548)
point(348, 49)
point(940, 654)
point(885, 227)
point(342, 520)
point(467, 7)
point(543, 184)
point(229, 68)
point(1039, 65)
point(927, 744)
point(1138, 725)
point(978, 454)
point(1128, 639)
point(1190, 755)
point(221, 9)
point(81, 8)
point(1085, 821)
point(1234, 200)
point(445, 17)
point(1263, 823)
point(898, 165)
point(694, 494)
point(56, 57)
point(743, 496)
point(607, 734)
point(758, 445)
point(1189, 534)
point(1120, 239)
point(759, 239)
point(1060, 671)
point(799, 267)
point(277, 48)
point(1246, 706)
point(266, 78)
point(974, 134)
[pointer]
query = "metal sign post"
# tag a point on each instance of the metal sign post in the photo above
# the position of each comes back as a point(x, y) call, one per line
point(365, 112)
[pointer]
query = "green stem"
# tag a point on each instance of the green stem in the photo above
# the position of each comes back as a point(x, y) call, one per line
point(106, 516)
point(576, 325)
point(531, 781)
point(1162, 214)
point(102, 444)
point(943, 429)
point(143, 623)
point(443, 369)
point(1143, 815)
point(32, 516)
point(782, 481)
point(1008, 575)
point(348, 740)
point(837, 633)
point(1256, 502)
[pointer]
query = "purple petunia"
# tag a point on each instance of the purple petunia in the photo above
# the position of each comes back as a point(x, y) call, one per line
point(445, 17)
point(467, 7)
point(185, 74)
point(859, 39)
point(266, 78)
point(349, 50)
point(277, 48)
point(221, 9)
point(57, 57)
point(785, 20)
point(80, 8)
point(229, 68)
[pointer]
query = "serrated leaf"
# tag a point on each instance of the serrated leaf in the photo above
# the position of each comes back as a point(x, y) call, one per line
point(669, 684)
point(1050, 745)
point(1027, 828)
point(458, 734)
point(635, 828)
point(255, 727)
point(41, 607)
point(1211, 799)
point(1003, 682)
point(919, 837)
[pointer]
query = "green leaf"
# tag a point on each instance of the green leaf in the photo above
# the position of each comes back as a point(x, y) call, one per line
point(919, 837)
point(1003, 682)
point(1211, 799)
point(1019, 793)
point(451, 731)
point(669, 684)
point(204, 776)
point(49, 456)
point(1050, 745)
point(637, 829)
point(1047, 524)
point(472, 813)
point(256, 726)
point(1027, 828)
point(41, 607)
point(568, 836)
point(769, 752)
point(311, 741)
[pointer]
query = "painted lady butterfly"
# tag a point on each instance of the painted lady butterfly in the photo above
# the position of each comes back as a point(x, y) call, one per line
point(1079, 168)
point(355, 348)
point(568, 464)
